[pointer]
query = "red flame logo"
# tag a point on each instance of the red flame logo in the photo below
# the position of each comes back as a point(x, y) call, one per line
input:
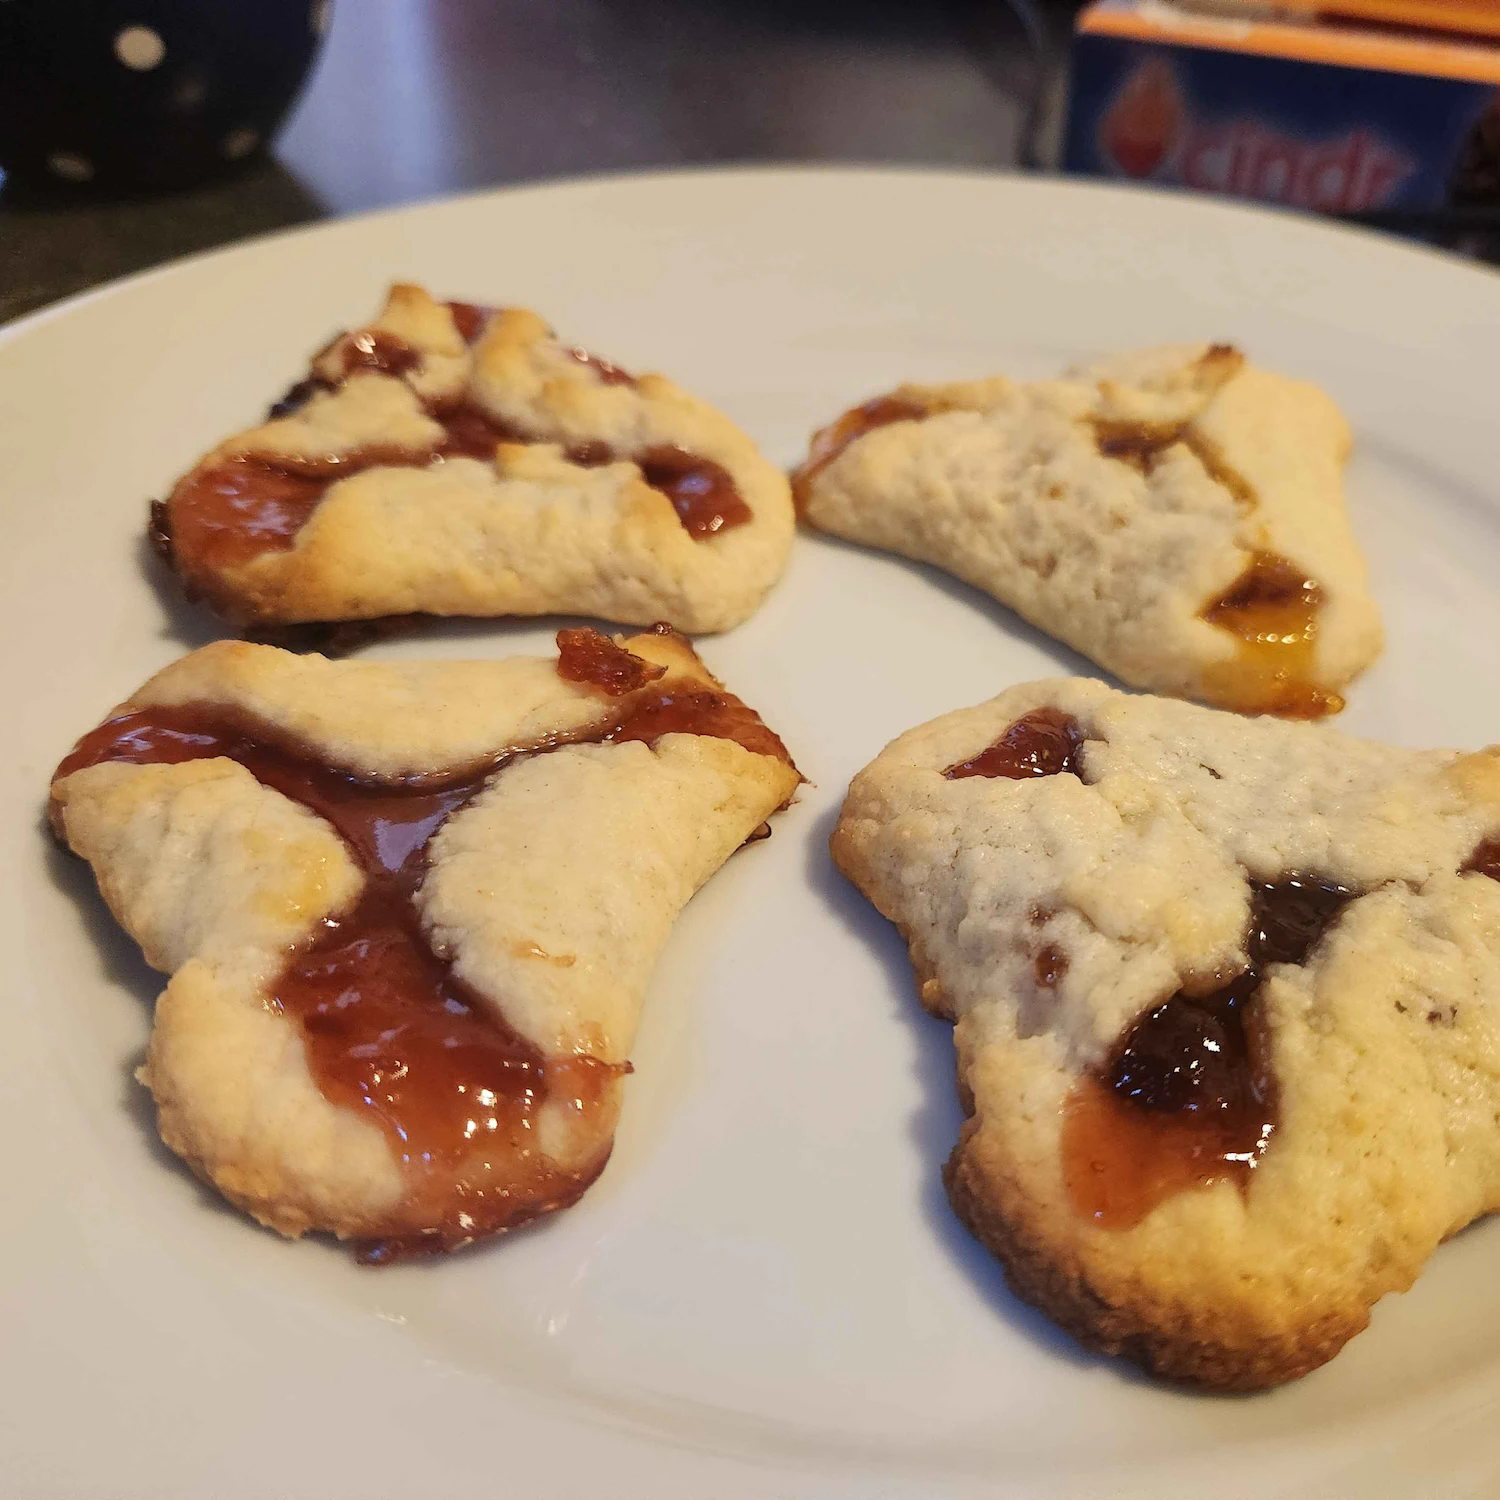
point(1141, 125)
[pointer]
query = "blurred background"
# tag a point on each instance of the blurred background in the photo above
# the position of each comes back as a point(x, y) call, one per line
point(133, 133)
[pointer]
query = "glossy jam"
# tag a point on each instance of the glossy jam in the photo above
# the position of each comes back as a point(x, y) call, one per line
point(587, 656)
point(687, 707)
point(608, 373)
point(389, 1029)
point(1485, 860)
point(702, 492)
point(1050, 966)
point(226, 514)
point(468, 432)
point(231, 512)
point(1272, 609)
point(1042, 743)
point(828, 442)
point(296, 397)
point(1138, 444)
point(375, 349)
point(1141, 445)
point(470, 319)
point(1188, 1098)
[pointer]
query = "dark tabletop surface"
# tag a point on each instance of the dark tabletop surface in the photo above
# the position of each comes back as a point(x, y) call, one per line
point(415, 98)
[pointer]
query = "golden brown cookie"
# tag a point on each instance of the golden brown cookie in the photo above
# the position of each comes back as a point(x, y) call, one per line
point(1177, 515)
point(410, 912)
point(456, 460)
point(1227, 1006)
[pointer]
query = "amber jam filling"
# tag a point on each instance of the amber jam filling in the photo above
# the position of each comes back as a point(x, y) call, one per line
point(377, 349)
point(1273, 610)
point(584, 655)
point(229, 513)
point(608, 373)
point(702, 492)
point(385, 353)
point(388, 1028)
point(470, 319)
point(1188, 1097)
point(1042, 743)
point(1485, 860)
point(828, 442)
point(1139, 444)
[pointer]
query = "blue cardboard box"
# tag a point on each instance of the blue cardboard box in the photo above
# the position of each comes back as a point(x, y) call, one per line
point(1336, 118)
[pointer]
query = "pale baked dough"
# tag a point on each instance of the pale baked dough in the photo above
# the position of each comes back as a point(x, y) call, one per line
point(1006, 486)
point(1385, 1044)
point(552, 891)
point(529, 533)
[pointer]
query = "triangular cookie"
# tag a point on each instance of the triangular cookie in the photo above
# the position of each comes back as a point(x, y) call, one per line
point(1227, 996)
point(1176, 515)
point(456, 460)
point(410, 911)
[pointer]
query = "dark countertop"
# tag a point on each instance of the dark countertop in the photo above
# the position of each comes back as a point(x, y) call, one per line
point(415, 98)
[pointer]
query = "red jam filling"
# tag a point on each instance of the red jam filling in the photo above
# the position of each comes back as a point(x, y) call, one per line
point(389, 1028)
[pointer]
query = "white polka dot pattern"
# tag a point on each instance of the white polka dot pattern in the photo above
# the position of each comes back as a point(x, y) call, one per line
point(139, 48)
point(189, 92)
point(70, 166)
point(239, 143)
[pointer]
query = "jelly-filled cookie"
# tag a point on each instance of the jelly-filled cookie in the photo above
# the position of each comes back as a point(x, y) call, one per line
point(1227, 1006)
point(1177, 515)
point(449, 459)
point(410, 912)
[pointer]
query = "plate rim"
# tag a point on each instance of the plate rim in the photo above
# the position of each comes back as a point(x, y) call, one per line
point(1298, 221)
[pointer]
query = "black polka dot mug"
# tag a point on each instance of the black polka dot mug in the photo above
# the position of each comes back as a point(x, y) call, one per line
point(140, 94)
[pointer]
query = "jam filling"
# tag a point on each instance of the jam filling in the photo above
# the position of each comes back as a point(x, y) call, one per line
point(702, 492)
point(470, 319)
point(1050, 966)
point(374, 349)
point(828, 442)
point(385, 353)
point(1139, 444)
point(608, 373)
point(1188, 1097)
point(227, 514)
point(585, 655)
point(1042, 743)
point(1485, 860)
point(297, 396)
point(233, 510)
point(1272, 609)
point(389, 1029)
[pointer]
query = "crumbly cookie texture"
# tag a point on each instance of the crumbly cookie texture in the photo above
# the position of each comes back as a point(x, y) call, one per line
point(542, 524)
point(550, 892)
point(1114, 508)
point(1047, 915)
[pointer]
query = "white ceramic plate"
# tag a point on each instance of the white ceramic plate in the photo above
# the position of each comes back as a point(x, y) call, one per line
point(766, 1294)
